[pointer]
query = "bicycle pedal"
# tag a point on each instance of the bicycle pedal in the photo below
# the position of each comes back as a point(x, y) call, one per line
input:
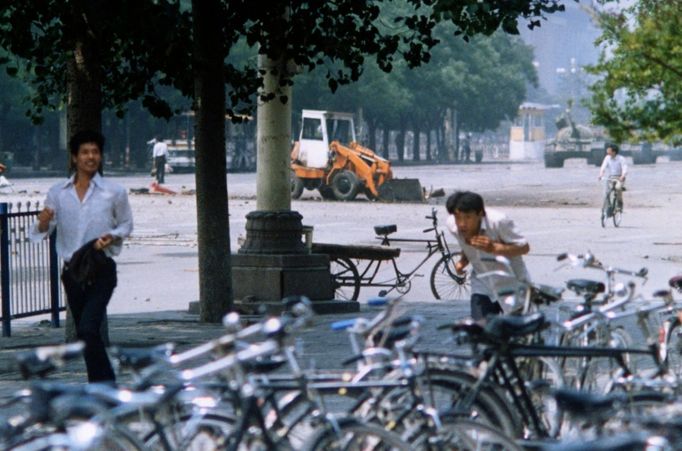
point(418, 275)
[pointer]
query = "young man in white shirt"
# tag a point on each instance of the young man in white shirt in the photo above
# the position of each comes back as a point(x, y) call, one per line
point(88, 210)
point(615, 168)
point(485, 233)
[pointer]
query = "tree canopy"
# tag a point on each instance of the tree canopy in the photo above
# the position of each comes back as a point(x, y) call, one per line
point(146, 44)
point(639, 92)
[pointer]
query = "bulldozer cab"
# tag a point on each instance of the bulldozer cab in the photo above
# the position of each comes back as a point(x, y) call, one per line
point(318, 130)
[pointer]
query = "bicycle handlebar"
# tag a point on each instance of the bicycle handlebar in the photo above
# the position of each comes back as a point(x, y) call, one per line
point(588, 260)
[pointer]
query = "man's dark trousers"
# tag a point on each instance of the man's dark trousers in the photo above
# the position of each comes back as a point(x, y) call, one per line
point(482, 306)
point(160, 163)
point(88, 303)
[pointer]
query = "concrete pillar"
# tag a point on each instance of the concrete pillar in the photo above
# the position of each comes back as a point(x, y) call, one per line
point(273, 140)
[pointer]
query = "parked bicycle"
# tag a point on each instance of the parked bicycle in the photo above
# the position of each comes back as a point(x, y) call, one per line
point(353, 267)
point(611, 207)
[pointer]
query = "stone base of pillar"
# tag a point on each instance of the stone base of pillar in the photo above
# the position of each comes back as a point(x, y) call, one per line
point(272, 277)
point(274, 262)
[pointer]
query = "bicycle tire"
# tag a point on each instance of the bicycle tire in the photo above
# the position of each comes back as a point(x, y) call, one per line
point(113, 438)
point(673, 356)
point(345, 279)
point(544, 374)
point(596, 375)
point(207, 428)
point(490, 406)
point(351, 434)
point(446, 284)
point(617, 217)
point(467, 435)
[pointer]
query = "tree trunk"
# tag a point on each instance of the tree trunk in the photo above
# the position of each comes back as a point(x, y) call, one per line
point(372, 130)
point(83, 112)
point(274, 136)
point(455, 129)
point(428, 146)
point(416, 144)
point(215, 275)
point(400, 142)
point(385, 142)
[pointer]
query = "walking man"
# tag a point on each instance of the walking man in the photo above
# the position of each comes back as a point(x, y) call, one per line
point(160, 153)
point(92, 217)
point(483, 232)
point(615, 168)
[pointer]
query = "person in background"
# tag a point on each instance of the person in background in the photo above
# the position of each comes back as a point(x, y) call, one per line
point(91, 215)
point(484, 232)
point(160, 152)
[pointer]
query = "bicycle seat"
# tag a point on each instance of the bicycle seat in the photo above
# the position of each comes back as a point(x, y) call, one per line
point(585, 286)
point(263, 365)
point(545, 294)
point(505, 327)
point(385, 229)
point(583, 403)
point(676, 282)
point(138, 358)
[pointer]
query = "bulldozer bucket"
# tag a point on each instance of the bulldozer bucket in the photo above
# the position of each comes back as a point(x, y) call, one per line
point(401, 190)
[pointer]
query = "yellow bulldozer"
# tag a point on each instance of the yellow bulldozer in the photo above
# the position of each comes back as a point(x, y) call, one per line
point(328, 158)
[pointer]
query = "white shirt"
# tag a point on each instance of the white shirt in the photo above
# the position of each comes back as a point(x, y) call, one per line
point(104, 209)
point(614, 166)
point(160, 149)
point(499, 227)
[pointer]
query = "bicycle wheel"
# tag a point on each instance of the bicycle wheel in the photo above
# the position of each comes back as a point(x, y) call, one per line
point(605, 209)
point(350, 434)
point(467, 435)
point(596, 374)
point(543, 375)
point(673, 356)
point(446, 283)
point(192, 432)
point(617, 213)
point(345, 279)
point(444, 387)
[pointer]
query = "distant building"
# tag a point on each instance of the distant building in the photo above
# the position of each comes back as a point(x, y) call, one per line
point(527, 134)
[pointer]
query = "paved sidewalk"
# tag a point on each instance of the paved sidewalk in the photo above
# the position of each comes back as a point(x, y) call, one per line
point(322, 347)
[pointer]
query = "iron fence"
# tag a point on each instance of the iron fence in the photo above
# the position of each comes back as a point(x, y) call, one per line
point(29, 271)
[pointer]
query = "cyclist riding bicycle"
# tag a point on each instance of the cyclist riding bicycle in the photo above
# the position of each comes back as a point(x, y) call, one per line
point(615, 168)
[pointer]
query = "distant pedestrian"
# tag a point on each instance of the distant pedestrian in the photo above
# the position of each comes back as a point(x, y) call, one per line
point(484, 232)
point(466, 149)
point(160, 152)
point(92, 216)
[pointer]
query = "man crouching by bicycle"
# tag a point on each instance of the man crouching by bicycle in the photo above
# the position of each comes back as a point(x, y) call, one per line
point(484, 233)
point(615, 168)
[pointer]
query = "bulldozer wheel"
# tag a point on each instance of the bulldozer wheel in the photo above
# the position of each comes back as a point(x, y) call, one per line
point(345, 185)
point(326, 192)
point(297, 186)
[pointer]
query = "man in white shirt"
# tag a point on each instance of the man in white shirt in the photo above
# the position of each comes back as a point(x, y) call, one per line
point(88, 210)
point(615, 168)
point(485, 233)
point(160, 152)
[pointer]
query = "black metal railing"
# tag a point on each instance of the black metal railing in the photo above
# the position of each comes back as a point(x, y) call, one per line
point(29, 271)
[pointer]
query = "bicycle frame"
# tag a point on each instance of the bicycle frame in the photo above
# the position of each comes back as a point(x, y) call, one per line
point(401, 279)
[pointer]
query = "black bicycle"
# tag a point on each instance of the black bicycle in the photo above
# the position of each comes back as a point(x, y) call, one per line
point(354, 266)
point(611, 208)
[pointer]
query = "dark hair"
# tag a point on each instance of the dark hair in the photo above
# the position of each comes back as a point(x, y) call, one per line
point(83, 137)
point(465, 201)
point(612, 146)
